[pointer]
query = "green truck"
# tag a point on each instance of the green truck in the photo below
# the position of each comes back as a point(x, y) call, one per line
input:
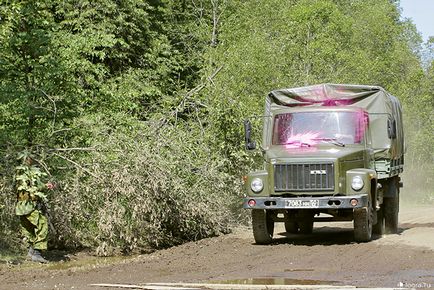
point(332, 152)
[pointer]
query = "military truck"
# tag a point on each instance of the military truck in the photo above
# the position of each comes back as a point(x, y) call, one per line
point(332, 152)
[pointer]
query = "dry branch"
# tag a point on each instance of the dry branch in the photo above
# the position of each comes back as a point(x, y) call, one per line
point(181, 105)
point(76, 165)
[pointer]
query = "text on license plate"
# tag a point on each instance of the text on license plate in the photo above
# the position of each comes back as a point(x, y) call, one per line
point(298, 203)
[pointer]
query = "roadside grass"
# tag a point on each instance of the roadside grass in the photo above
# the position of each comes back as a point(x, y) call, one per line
point(10, 257)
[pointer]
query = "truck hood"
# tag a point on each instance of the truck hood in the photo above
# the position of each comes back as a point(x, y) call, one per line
point(324, 152)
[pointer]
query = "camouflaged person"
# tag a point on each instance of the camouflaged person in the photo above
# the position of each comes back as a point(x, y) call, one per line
point(31, 209)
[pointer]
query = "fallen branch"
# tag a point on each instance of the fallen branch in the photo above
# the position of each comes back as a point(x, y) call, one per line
point(77, 165)
point(73, 149)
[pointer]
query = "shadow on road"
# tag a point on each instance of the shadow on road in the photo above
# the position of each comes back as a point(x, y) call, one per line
point(406, 226)
point(329, 235)
point(325, 236)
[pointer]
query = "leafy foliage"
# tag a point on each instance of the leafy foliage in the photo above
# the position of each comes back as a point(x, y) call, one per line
point(294, 43)
point(145, 191)
point(134, 108)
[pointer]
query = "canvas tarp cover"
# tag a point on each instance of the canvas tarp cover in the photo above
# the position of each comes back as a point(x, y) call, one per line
point(380, 105)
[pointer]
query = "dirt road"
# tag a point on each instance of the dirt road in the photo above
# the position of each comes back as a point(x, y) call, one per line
point(328, 256)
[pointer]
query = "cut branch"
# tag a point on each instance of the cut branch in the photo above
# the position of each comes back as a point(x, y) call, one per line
point(77, 165)
point(73, 149)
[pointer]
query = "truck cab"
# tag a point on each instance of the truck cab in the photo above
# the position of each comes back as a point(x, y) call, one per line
point(321, 164)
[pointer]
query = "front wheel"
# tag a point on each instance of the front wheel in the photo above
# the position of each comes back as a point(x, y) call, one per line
point(263, 226)
point(363, 218)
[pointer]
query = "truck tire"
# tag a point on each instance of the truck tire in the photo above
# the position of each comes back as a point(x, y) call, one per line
point(378, 228)
point(363, 218)
point(391, 207)
point(291, 226)
point(305, 222)
point(263, 226)
point(391, 210)
point(306, 227)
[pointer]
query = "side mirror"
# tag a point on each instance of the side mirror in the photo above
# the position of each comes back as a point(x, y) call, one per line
point(250, 145)
point(391, 128)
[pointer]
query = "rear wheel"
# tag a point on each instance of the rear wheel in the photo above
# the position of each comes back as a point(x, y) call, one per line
point(391, 208)
point(363, 218)
point(305, 222)
point(263, 226)
point(291, 226)
point(306, 227)
point(378, 228)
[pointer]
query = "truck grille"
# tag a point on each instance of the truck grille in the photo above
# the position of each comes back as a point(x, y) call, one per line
point(304, 177)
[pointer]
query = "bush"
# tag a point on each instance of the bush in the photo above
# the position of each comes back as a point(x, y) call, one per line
point(142, 187)
point(9, 227)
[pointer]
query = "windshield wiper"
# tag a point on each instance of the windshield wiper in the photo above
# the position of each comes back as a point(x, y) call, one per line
point(332, 141)
point(302, 144)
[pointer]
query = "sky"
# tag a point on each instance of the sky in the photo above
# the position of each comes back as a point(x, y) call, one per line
point(422, 14)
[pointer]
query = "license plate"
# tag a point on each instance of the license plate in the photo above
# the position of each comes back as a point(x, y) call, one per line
point(302, 203)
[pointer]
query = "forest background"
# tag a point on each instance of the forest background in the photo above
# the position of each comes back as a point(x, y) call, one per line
point(135, 108)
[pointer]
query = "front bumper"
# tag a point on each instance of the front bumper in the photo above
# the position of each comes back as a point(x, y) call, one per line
point(324, 202)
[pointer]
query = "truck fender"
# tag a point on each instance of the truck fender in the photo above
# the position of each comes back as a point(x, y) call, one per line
point(369, 177)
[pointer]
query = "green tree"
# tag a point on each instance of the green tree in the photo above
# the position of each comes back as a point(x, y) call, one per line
point(136, 107)
point(77, 81)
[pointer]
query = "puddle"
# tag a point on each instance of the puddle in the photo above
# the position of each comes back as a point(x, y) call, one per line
point(298, 270)
point(86, 262)
point(274, 281)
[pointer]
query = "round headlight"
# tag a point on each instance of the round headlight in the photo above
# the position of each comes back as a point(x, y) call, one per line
point(357, 183)
point(256, 185)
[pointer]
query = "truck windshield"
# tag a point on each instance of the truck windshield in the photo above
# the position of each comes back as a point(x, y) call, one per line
point(310, 128)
